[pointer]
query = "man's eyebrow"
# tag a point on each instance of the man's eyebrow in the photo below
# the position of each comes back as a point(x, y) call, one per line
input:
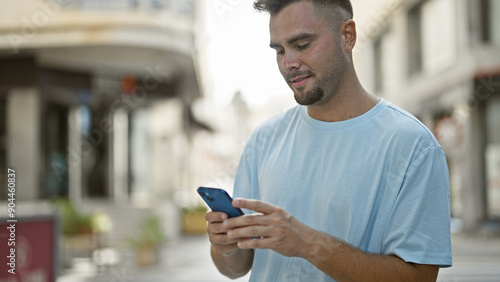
point(293, 39)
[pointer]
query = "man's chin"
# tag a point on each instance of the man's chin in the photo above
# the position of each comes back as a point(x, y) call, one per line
point(308, 99)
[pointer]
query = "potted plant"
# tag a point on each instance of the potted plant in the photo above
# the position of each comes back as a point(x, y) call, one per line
point(78, 238)
point(147, 239)
point(73, 221)
point(193, 219)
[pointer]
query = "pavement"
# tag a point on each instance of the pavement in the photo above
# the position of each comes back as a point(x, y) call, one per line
point(476, 259)
point(185, 260)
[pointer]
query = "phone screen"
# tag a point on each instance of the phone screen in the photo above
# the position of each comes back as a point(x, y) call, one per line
point(219, 200)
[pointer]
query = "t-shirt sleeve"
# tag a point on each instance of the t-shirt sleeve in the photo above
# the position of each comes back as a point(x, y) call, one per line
point(418, 229)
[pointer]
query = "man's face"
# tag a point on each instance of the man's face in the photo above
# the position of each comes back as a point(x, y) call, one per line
point(309, 57)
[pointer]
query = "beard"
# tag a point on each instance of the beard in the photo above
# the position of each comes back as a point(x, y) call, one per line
point(325, 89)
point(327, 84)
point(311, 97)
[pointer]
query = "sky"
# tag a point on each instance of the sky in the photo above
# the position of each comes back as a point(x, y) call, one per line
point(238, 55)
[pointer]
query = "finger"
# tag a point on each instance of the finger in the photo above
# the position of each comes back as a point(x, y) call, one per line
point(254, 205)
point(217, 228)
point(258, 243)
point(245, 220)
point(254, 231)
point(222, 240)
point(212, 216)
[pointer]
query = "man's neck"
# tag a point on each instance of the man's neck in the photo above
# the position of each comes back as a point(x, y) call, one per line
point(348, 103)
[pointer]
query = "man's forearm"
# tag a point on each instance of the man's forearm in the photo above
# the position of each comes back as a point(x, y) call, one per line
point(234, 266)
point(346, 263)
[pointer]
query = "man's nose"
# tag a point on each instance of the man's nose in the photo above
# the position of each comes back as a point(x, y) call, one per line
point(291, 61)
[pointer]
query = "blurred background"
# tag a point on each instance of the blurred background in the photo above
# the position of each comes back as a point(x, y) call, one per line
point(113, 112)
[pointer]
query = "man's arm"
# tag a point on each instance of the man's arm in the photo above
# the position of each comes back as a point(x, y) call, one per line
point(235, 265)
point(286, 235)
point(347, 263)
point(231, 261)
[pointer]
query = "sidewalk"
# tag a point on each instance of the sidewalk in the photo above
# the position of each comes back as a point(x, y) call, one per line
point(182, 261)
point(475, 260)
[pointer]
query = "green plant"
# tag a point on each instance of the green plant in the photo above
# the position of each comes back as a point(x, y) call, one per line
point(193, 219)
point(198, 209)
point(73, 221)
point(150, 233)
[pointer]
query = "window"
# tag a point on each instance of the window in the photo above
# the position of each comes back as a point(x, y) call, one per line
point(414, 27)
point(484, 16)
point(439, 39)
point(490, 9)
point(379, 74)
point(431, 36)
point(386, 52)
point(54, 147)
point(492, 156)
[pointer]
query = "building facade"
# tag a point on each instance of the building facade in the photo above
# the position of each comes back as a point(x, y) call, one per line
point(440, 60)
point(95, 99)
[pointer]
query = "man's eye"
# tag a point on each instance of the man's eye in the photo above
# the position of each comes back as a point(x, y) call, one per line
point(303, 46)
point(280, 52)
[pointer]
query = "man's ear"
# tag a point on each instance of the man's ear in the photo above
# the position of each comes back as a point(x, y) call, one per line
point(348, 35)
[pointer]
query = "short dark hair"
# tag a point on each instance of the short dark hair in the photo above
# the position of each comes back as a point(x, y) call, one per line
point(275, 6)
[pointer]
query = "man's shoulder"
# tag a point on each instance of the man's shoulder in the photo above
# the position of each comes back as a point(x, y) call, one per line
point(279, 121)
point(266, 132)
point(407, 127)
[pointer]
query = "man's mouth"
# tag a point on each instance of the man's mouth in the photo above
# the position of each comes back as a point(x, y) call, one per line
point(299, 81)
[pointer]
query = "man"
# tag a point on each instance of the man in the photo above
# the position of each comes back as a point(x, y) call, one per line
point(343, 187)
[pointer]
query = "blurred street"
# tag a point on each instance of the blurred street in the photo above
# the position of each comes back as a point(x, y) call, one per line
point(475, 260)
point(112, 113)
point(185, 260)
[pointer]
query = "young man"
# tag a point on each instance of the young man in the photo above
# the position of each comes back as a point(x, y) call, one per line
point(343, 187)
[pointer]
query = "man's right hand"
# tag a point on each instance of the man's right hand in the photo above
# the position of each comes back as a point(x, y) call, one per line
point(217, 234)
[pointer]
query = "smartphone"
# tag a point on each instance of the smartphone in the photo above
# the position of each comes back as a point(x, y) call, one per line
point(219, 200)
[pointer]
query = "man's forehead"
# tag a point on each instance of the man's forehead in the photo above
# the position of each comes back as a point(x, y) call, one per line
point(295, 19)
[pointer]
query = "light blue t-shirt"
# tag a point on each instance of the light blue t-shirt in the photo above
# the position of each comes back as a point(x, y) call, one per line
point(378, 182)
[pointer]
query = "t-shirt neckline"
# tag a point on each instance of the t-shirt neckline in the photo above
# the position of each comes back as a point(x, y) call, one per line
point(338, 125)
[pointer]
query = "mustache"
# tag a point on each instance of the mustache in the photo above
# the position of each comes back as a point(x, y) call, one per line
point(294, 74)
